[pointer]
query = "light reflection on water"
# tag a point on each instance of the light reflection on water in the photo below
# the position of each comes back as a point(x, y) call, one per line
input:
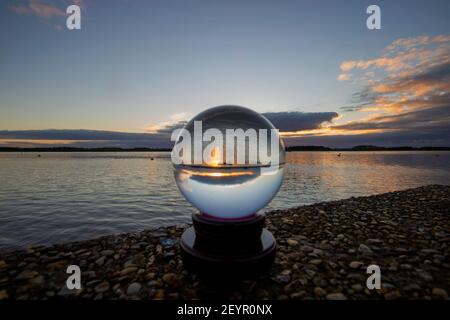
point(62, 197)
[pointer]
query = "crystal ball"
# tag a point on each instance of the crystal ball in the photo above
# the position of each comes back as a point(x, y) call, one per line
point(228, 162)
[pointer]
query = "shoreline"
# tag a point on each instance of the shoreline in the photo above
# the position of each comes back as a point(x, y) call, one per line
point(292, 150)
point(323, 251)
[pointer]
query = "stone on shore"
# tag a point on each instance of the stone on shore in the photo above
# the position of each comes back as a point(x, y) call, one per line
point(322, 253)
point(134, 288)
point(336, 296)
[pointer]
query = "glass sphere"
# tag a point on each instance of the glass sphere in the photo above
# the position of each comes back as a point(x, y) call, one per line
point(229, 162)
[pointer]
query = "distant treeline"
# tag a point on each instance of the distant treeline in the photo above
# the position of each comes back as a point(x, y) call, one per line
point(73, 149)
point(364, 148)
point(290, 148)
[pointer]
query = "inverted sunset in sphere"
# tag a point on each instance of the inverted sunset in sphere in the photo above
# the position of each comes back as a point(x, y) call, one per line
point(228, 162)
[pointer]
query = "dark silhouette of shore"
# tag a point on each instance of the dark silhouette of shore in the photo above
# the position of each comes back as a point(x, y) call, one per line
point(366, 148)
point(73, 149)
point(289, 148)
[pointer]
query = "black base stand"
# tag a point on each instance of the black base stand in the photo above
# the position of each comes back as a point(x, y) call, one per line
point(227, 248)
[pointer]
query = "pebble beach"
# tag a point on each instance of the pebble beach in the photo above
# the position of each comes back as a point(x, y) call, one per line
point(323, 251)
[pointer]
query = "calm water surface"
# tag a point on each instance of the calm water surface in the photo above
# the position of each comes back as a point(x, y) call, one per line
point(62, 197)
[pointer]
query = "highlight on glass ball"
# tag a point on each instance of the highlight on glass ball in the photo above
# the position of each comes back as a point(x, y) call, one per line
point(229, 162)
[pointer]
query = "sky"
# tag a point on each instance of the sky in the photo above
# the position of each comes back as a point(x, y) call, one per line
point(138, 68)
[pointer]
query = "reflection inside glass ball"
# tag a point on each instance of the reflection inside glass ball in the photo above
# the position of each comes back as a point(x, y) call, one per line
point(229, 193)
point(226, 189)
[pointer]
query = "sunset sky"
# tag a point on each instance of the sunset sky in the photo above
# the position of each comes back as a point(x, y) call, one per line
point(137, 69)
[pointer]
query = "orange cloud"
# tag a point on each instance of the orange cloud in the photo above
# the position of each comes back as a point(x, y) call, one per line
point(408, 43)
point(43, 142)
point(39, 9)
point(407, 87)
point(176, 120)
point(403, 57)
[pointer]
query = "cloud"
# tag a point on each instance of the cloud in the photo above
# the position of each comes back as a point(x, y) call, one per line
point(286, 121)
point(386, 139)
point(406, 92)
point(423, 120)
point(408, 43)
point(38, 8)
point(299, 121)
point(84, 138)
point(159, 137)
point(343, 77)
point(72, 135)
point(403, 57)
point(48, 13)
point(177, 120)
